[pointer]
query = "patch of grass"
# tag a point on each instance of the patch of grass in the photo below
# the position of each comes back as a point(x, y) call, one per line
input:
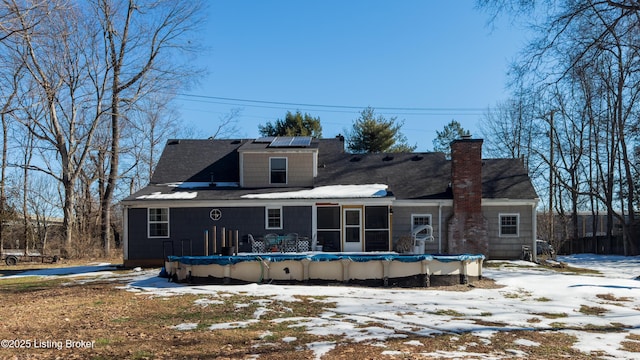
point(630, 346)
point(522, 294)
point(202, 326)
point(102, 341)
point(29, 284)
point(575, 270)
point(561, 267)
point(602, 328)
point(534, 320)
point(611, 297)
point(499, 264)
point(592, 310)
point(447, 312)
point(486, 313)
point(542, 299)
point(553, 345)
point(496, 324)
point(142, 354)
point(558, 325)
point(551, 315)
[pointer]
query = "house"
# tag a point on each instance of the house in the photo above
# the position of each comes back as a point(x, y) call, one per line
point(344, 202)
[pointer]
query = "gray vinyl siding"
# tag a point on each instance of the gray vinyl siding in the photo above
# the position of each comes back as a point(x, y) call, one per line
point(508, 247)
point(191, 223)
point(402, 224)
point(299, 169)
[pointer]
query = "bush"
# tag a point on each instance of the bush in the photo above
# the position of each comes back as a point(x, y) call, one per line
point(404, 244)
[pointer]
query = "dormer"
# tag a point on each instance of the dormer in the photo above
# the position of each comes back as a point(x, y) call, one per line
point(283, 161)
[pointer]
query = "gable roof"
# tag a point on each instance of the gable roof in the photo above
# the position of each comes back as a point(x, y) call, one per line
point(198, 161)
point(506, 179)
point(408, 175)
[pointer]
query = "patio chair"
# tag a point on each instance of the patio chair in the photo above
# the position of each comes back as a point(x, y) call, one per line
point(257, 246)
point(272, 242)
point(291, 242)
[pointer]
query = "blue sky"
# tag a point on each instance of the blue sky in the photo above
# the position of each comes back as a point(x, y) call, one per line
point(334, 58)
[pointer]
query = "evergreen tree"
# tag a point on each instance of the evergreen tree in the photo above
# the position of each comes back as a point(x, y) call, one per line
point(451, 131)
point(293, 125)
point(371, 134)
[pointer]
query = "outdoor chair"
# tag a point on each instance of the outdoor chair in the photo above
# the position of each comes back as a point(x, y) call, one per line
point(291, 242)
point(272, 242)
point(257, 246)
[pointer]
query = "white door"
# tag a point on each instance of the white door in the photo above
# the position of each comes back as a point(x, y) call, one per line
point(352, 230)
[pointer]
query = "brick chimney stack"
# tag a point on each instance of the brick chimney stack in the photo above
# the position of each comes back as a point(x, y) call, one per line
point(467, 227)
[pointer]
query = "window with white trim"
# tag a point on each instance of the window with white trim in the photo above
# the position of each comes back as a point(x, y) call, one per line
point(509, 224)
point(158, 222)
point(273, 217)
point(418, 220)
point(278, 170)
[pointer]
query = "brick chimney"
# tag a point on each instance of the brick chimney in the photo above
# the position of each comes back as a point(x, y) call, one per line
point(467, 230)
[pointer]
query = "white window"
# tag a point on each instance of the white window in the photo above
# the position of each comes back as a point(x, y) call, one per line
point(419, 220)
point(158, 222)
point(273, 217)
point(278, 170)
point(509, 225)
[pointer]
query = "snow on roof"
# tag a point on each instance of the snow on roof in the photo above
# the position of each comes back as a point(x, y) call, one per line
point(195, 184)
point(328, 192)
point(173, 196)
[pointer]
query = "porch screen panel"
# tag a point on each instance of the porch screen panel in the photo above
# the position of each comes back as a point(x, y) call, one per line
point(329, 227)
point(376, 240)
point(376, 234)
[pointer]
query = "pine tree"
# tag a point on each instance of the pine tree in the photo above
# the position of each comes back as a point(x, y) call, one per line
point(293, 125)
point(371, 134)
point(451, 131)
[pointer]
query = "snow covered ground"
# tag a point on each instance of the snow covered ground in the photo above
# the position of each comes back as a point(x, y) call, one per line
point(532, 298)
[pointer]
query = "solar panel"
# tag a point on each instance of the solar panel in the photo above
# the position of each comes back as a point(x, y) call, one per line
point(281, 141)
point(291, 141)
point(301, 141)
point(264, 140)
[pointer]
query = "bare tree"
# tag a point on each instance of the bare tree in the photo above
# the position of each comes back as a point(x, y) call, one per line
point(43, 204)
point(53, 49)
point(86, 66)
point(137, 38)
point(509, 129)
point(147, 129)
point(9, 78)
point(586, 59)
point(227, 125)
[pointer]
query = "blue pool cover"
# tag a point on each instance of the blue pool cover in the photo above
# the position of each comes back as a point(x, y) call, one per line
point(358, 257)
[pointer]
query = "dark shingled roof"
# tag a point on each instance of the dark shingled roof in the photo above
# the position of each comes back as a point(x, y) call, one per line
point(408, 175)
point(199, 161)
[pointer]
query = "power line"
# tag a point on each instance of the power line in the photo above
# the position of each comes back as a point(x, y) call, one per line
point(251, 102)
